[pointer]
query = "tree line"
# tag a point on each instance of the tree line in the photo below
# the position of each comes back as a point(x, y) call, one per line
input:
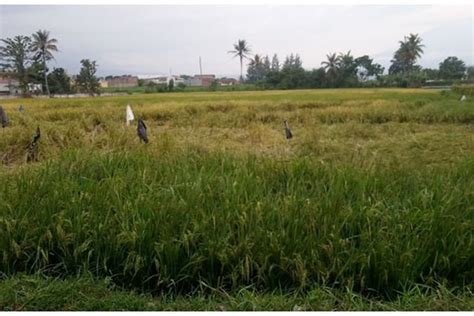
point(26, 58)
point(341, 70)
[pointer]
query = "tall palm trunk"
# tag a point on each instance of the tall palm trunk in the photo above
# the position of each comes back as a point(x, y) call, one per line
point(241, 78)
point(45, 75)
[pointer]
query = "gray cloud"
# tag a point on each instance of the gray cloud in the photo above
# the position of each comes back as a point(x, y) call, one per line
point(155, 39)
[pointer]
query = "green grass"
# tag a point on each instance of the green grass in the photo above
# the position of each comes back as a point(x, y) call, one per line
point(84, 293)
point(370, 206)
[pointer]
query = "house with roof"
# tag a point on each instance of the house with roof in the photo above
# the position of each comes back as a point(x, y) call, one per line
point(126, 81)
point(9, 85)
point(200, 80)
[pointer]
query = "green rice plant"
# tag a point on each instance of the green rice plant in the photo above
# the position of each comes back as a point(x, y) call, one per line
point(464, 89)
point(373, 195)
point(189, 216)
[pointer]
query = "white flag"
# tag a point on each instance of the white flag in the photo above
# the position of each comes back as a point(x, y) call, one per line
point(129, 115)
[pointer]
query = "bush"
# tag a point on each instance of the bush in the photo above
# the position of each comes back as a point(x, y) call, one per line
point(464, 89)
point(213, 86)
point(161, 88)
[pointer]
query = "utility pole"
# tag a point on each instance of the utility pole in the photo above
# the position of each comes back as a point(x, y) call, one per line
point(200, 66)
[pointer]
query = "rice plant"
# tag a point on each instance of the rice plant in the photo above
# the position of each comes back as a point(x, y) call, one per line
point(373, 194)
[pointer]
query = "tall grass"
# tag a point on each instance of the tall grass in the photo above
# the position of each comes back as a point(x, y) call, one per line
point(375, 192)
point(190, 217)
point(84, 293)
point(356, 127)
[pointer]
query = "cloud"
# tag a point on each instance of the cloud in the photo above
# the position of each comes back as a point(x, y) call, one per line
point(153, 39)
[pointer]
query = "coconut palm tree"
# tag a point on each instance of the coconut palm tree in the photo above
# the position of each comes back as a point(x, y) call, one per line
point(241, 50)
point(405, 57)
point(347, 69)
point(255, 70)
point(415, 48)
point(331, 66)
point(44, 46)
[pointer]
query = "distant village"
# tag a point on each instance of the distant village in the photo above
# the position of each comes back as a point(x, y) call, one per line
point(9, 85)
point(128, 81)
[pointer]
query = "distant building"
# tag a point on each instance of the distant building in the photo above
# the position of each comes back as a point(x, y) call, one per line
point(73, 79)
point(176, 79)
point(164, 80)
point(103, 83)
point(193, 82)
point(156, 80)
point(228, 81)
point(206, 80)
point(121, 81)
point(35, 88)
point(8, 84)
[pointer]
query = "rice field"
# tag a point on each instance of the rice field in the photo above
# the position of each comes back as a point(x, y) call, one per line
point(374, 195)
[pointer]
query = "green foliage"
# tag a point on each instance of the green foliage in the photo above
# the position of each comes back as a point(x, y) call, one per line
point(406, 56)
point(341, 70)
point(431, 74)
point(292, 73)
point(213, 86)
point(16, 56)
point(87, 81)
point(452, 68)
point(59, 82)
point(150, 87)
point(470, 73)
point(347, 70)
point(241, 50)
point(27, 58)
point(154, 88)
point(367, 69)
point(345, 205)
point(181, 86)
point(257, 69)
point(314, 225)
point(464, 89)
point(171, 85)
point(404, 80)
point(331, 69)
point(275, 65)
point(36, 73)
point(162, 87)
point(373, 195)
point(43, 47)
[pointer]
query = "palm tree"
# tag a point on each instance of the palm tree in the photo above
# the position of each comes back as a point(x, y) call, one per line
point(415, 47)
point(410, 50)
point(256, 61)
point(241, 50)
point(44, 46)
point(347, 68)
point(255, 70)
point(347, 63)
point(331, 66)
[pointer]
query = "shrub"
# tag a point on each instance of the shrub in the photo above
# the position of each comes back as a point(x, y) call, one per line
point(464, 89)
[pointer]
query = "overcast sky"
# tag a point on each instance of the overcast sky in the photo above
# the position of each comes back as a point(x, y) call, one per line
point(155, 39)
